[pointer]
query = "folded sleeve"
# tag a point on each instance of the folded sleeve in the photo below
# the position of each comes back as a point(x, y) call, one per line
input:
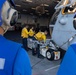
point(22, 64)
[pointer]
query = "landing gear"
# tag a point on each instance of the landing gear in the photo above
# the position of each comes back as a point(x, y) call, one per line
point(50, 55)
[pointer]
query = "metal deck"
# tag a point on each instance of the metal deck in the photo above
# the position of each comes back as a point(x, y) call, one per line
point(44, 67)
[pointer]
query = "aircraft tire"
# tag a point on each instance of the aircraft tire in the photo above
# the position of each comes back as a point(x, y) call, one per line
point(50, 54)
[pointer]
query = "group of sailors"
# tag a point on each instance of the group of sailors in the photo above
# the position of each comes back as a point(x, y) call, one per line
point(39, 36)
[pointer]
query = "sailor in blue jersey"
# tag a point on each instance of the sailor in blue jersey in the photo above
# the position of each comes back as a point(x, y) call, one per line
point(14, 60)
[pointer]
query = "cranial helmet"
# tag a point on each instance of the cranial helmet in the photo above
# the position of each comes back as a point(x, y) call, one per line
point(8, 15)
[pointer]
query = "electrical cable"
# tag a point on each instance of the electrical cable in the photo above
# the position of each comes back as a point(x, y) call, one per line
point(68, 40)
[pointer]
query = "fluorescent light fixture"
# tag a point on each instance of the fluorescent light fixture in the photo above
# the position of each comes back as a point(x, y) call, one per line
point(46, 11)
point(58, 1)
point(18, 5)
point(44, 5)
point(24, 10)
point(33, 8)
point(29, 0)
point(31, 13)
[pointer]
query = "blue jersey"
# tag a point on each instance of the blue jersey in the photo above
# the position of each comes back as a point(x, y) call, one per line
point(1, 5)
point(22, 64)
point(14, 59)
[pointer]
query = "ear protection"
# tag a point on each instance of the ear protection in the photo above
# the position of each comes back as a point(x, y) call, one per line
point(74, 21)
point(11, 16)
point(8, 11)
point(11, 2)
point(14, 18)
point(8, 14)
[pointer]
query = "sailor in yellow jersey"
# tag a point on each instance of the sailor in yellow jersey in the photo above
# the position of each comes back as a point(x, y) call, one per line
point(24, 35)
point(40, 36)
point(31, 32)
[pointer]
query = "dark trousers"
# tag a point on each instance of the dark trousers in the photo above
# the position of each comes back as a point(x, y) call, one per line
point(24, 41)
point(36, 50)
point(32, 37)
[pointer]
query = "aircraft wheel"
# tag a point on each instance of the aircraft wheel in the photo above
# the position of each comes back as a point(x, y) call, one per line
point(50, 55)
